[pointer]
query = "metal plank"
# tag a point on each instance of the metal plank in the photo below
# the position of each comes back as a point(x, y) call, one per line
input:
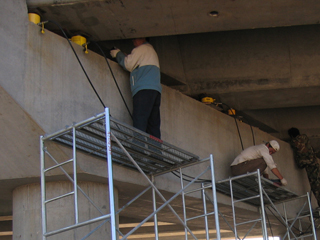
point(248, 186)
point(152, 155)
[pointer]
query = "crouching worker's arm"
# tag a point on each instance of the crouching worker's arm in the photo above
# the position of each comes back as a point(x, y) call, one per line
point(276, 172)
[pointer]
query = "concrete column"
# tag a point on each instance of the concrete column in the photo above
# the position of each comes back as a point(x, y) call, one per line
point(60, 213)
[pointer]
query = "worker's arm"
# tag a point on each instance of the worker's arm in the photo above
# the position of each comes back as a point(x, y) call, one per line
point(276, 172)
point(128, 62)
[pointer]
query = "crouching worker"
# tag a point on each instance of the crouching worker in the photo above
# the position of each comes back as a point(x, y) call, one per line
point(258, 157)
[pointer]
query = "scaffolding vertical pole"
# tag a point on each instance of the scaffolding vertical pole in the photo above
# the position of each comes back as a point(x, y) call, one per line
point(205, 210)
point(263, 216)
point(43, 191)
point(233, 210)
point(214, 197)
point(286, 218)
point(155, 218)
point(75, 181)
point(110, 176)
point(300, 226)
point(183, 204)
point(311, 217)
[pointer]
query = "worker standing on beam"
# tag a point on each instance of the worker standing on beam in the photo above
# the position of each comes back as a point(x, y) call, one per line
point(258, 157)
point(143, 65)
point(305, 157)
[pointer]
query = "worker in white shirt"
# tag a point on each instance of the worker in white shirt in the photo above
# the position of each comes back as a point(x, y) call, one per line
point(258, 157)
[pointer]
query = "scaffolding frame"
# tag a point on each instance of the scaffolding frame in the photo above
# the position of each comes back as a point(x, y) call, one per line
point(257, 191)
point(106, 138)
point(131, 148)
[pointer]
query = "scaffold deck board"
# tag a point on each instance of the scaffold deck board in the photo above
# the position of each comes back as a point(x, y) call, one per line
point(248, 186)
point(150, 153)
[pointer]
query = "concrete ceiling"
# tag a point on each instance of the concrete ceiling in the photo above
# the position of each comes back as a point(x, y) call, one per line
point(254, 56)
point(123, 19)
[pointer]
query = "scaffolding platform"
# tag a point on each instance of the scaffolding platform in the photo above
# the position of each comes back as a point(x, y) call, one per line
point(118, 143)
point(153, 155)
point(245, 187)
point(266, 195)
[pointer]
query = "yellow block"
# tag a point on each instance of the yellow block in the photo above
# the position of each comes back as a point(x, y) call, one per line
point(207, 100)
point(231, 112)
point(33, 17)
point(79, 40)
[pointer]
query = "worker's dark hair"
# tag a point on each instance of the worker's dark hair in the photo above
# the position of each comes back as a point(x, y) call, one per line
point(293, 132)
point(146, 38)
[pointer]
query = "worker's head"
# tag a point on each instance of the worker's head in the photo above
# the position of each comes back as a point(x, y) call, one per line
point(273, 146)
point(293, 132)
point(138, 41)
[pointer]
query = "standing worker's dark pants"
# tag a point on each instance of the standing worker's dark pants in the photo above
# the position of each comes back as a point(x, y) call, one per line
point(249, 166)
point(146, 111)
point(314, 178)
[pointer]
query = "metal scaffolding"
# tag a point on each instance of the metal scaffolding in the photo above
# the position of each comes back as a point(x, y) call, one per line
point(104, 137)
point(257, 191)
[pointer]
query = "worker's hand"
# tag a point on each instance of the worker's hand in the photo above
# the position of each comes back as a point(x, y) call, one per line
point(114, 52)
point(284, 182)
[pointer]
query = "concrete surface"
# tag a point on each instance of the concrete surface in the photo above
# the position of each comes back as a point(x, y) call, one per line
point(27, 210)
point(254, 71)
point(106, 20)
point(43, 89)
point(252, 56)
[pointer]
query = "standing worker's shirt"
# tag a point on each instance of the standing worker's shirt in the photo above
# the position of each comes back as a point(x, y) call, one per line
point(255, 152)
point(143, 65)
